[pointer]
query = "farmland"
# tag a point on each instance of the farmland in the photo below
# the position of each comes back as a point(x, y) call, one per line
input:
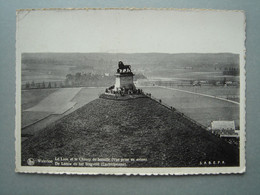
point(31, 98)
point(184, 74)
point(212, 90)
point(57, 102)
point(49, 105)
point(227, 92)
point(39, 104)
point(200, 108)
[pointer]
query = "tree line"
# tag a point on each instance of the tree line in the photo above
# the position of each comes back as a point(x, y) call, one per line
point(93, 80)
point(42, 85)
point(231, 71)
point(78, 80)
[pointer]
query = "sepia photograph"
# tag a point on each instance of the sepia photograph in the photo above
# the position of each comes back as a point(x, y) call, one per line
point(130, 91)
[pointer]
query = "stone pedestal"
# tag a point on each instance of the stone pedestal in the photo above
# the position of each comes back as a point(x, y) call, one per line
point(124, 80)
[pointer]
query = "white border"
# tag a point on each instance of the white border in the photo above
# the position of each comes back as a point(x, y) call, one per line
point(129, 171)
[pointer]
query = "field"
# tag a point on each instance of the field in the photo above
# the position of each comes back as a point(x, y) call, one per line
point(138, 128)
point(32, 97)
point(41, 107)
point(184, 74)
point(226, 92)
point(57, 102)
point(212, 90)
point(200, 108)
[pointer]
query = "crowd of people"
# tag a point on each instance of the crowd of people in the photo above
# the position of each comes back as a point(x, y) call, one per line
point(123, 91)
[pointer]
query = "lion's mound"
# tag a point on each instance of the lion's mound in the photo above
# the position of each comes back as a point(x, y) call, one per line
point(137, 128)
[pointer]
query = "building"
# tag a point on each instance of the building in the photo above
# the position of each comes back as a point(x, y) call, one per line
point(223, 125)
point(226, 130)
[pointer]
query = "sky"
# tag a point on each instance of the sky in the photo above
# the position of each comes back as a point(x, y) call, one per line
point(130, 31)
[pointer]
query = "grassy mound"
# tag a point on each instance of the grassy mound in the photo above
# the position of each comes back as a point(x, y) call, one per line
point(140, 128)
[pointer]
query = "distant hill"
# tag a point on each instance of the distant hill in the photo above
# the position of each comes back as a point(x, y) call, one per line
point(138, 128)
point(55, 66)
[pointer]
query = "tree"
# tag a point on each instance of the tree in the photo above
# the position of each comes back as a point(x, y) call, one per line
point(69, 76)
point(33, 84)
point(224, 81)
point(27, 85)
point(43, 84)
point(78, 78)
point(69, 80)
point(49, 85)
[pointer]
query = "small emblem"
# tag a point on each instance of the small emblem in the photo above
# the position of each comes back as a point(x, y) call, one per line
point(31, 161)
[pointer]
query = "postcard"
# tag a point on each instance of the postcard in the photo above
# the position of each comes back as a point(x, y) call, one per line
point(130, 91)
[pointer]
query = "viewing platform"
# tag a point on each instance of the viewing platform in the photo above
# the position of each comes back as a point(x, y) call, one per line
point(119, 97)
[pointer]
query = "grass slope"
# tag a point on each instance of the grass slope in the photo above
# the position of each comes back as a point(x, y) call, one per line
point(139, 128)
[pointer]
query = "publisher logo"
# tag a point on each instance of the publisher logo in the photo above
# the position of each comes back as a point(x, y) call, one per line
point(31, 161)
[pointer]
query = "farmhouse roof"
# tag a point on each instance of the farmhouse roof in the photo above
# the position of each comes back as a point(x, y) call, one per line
point(219, 125)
